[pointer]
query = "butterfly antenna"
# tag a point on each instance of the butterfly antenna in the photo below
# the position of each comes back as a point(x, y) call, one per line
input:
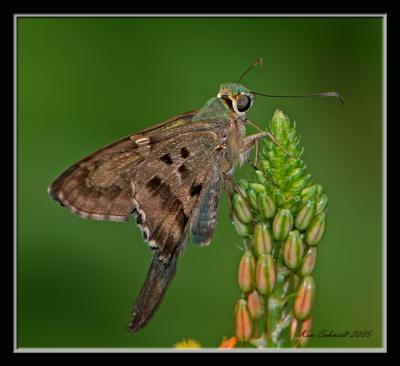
point(323, 94)
point(257, 62)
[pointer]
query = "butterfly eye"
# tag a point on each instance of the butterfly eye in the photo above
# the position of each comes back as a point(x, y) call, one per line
point(243, 103)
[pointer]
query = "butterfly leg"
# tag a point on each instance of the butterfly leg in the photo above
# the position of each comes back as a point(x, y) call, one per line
point(250, 142)
point(253, 140)
point(257, 151)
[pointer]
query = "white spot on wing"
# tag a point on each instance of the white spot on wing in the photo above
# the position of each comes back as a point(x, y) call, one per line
point(142, 141)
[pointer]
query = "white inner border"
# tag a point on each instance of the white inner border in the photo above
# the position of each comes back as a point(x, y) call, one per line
point(238, 350)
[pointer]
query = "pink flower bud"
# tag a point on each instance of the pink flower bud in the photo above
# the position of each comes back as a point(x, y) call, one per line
point(262, 240)
point(305, 298)
point(255, 303)
point(265, 274)
point(246, 272)
point(243, 321)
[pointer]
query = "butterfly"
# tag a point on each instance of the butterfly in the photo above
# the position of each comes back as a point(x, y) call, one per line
point(170, 177)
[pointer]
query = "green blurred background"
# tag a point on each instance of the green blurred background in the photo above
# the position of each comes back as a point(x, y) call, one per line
point(84, 82)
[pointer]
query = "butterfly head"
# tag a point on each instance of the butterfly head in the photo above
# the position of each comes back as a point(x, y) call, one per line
point(237, 97)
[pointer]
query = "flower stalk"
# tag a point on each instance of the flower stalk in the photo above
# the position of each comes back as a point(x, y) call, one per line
point(281, 214)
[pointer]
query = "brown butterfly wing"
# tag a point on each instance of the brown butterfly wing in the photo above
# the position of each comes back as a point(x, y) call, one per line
point(170, 184)
point(99, 186)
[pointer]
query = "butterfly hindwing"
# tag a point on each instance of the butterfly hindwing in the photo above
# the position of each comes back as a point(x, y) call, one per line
point(204, 222)
point(170, 186)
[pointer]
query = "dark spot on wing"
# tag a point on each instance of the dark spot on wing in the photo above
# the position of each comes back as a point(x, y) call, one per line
point(195, 189)
point(183, 171)
point(173, 205)
point(164, 193)
point(184, 152)
point(111, 192)
point(167, 159)
point(153, 183)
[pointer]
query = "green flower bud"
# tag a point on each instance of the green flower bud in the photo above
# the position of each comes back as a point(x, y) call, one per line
point(305, 215)
point(304, 298)
point(309, 193)
point(320, 189)
point(315, 232)
point(262, 240)
point(243, 321)
point(278, 197)
point(252, 198)
point(266, 205)
point(293, 203)
point(242, 229)
point(265, 274)
point(258, 187)
point(276, 162)
point(295, 163)
point(322, 204)
point(283, 223)
point(308, 263)
point(279, 125)
point(265, 165)
point(260, 177)
point(297, 173)
point(246, 272)
point(255, 304)
point(301, 183)
point(285, 183)
point(293, 250)
point(241, 208)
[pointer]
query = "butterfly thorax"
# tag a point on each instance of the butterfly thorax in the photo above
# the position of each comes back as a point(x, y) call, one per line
point(214, 109)
point(230, 129)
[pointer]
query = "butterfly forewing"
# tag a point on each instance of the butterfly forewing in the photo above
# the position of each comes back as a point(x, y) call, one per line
point(99, 186)
point(160, 174)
